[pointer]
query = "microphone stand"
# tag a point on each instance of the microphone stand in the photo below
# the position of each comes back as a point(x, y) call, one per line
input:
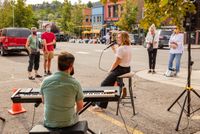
point(188, 88)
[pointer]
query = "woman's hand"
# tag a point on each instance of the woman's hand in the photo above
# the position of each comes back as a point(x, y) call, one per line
point(173, 45)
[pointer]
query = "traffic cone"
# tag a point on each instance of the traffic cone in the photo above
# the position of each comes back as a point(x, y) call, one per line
point(16, 107)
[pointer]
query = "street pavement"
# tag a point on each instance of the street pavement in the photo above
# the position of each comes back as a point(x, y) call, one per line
point(154, 93)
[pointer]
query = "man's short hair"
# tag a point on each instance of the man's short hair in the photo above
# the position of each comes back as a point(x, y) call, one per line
point(65, 60)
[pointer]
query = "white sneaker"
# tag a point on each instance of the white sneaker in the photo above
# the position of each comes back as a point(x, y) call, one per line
point(97, 109)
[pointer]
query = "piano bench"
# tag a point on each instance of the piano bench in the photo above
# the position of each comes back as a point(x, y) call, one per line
point(80, 128)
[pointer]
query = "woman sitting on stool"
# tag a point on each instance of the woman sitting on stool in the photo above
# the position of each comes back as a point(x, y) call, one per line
point(121, 64)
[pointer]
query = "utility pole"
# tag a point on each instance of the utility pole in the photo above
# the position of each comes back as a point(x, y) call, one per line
point(13, 5)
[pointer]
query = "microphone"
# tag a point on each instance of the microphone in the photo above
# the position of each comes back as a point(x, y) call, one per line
point(111, 44)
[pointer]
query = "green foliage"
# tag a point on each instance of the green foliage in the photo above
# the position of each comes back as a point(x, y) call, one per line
point(89, 4)
point(165, 12)
point(23, 14)
point(128, 17)
point(71, 17)
point(5, 14)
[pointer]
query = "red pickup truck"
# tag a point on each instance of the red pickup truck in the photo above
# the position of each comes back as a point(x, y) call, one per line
point(13, 40)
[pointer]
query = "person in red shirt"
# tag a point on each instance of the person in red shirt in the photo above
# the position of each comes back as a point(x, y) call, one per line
point(49, 40)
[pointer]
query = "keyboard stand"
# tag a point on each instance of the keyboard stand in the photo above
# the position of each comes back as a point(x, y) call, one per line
point(86, 106)
point(1, 118)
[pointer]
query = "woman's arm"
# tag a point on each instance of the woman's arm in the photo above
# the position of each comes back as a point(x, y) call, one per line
point(115, 64)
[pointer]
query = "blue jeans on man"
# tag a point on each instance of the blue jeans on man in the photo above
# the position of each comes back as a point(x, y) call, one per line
point(177, 57)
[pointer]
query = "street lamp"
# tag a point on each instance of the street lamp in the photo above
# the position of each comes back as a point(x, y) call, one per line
point(12, 3)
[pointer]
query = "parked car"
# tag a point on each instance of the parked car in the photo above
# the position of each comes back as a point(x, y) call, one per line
point(164, 36)
point(13, 40)
point(61, 37)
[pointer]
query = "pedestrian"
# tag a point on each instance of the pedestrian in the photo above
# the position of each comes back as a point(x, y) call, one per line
point(108, 37)
point(49, 41)
point(32, 45)
point(121, 65)
point(152, 39)
point(62, 95)
point(176, 43)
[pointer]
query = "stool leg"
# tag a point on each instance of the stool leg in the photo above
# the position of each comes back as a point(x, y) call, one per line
point(119, 96)
point(131, 95)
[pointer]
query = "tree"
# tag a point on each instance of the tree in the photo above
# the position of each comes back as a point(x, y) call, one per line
point(5, 14)
point(77, 17)
point(23, 14)
point(105, 1)
point(89, 4)
point(65, 21)
point(164, 12)
point(128, 17)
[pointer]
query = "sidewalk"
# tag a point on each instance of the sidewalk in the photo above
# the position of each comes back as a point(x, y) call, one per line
point(180, 80)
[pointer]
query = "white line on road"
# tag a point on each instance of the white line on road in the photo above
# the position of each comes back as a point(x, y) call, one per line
point(81, 52)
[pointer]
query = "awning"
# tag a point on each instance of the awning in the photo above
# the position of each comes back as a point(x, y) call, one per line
point(95, 31)
point(86, 32)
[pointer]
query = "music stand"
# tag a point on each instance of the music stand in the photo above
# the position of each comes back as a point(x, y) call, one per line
point(188, 88)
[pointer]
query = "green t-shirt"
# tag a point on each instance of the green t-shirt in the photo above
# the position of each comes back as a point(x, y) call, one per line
point(61, 92)
point(33, 42)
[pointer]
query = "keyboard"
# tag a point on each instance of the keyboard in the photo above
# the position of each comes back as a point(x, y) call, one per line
point(32, 95)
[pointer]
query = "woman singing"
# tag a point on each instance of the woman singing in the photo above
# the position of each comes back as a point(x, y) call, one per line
point(121, 64)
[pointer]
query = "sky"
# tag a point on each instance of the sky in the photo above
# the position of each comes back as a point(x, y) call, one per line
point(41, 1)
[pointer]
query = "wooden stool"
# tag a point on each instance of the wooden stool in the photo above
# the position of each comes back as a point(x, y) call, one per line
point(79, 128)
point(121, 78)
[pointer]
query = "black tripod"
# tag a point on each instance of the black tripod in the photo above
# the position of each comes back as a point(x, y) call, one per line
point(188, 88)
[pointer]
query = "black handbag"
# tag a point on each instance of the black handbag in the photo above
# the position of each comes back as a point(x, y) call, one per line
point(150, 48)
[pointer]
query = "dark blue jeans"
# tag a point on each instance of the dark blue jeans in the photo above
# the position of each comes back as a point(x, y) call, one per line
point(34, 60)
point(111, 79)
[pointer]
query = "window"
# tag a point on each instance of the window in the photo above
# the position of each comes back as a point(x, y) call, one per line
point(109, 11)
point(115, 11)
point(86, 19)
point(94, 19)
point(98, 19)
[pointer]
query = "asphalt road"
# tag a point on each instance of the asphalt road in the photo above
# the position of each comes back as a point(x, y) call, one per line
point(151, 103)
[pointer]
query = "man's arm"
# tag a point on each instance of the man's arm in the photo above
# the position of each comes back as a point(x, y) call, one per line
point(27, 45)
point(43, 99)
point(51, 43)
point(79, 105)
point(45, 45)
point(115, 64)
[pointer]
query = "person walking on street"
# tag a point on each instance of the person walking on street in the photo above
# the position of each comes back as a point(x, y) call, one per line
point(152, 39)
point(49, 40)
point(32, 45)
point(176, 43)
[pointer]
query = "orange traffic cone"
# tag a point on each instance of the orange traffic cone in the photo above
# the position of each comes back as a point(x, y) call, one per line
point(16, 107)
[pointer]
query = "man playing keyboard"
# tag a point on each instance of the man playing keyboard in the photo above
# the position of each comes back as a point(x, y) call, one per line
point(61, 93)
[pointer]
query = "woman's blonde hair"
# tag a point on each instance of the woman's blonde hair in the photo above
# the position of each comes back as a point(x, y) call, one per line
point(125, 38)
point(152, 27)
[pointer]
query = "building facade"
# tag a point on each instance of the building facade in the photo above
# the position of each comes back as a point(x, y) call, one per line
point(87, 21)
point(97, 18)
point(112, 12)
